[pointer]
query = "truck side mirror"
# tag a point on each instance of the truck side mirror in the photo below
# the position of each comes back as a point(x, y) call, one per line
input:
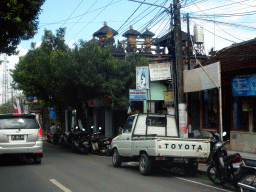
point(120, 130)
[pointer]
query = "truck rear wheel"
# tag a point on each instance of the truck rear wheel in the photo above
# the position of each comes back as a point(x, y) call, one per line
point(116, 159)
point(145, 164)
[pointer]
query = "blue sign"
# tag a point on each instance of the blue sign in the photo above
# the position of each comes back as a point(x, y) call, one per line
point(244, 85)
point(52, 112)
point(138, 95)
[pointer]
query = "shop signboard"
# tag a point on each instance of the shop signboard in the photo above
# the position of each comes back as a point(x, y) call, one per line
point(198, 80)
point(244, 85)
point(168, 98)
point(137, 95)
point(52, 113)
point(159, 71)
point(142, 78)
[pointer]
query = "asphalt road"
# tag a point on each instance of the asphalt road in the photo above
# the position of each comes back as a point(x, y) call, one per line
point(63, 170)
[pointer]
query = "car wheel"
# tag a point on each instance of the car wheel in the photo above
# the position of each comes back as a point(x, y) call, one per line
point(116, 159)
point(145, 164)
point(37, 160)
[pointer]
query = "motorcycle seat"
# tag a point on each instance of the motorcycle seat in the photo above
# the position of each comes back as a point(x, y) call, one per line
point(228, 157)
point(249, 163)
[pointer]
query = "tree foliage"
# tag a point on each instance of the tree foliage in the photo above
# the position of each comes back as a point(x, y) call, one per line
point(7, 107)
point(18, 22)
point(61, 76)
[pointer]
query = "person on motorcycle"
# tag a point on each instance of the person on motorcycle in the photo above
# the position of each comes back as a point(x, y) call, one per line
point(53, 129)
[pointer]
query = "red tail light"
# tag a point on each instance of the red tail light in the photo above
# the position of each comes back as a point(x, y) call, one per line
point(40, 135)
point(237, 159)
point(107, 142)
point(16, 114)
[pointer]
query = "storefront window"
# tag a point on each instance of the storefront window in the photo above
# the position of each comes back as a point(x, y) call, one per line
point(241, 111)
point(210, 108)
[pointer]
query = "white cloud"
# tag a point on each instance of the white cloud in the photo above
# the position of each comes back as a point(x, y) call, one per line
point(14, 59)
point(70, 43)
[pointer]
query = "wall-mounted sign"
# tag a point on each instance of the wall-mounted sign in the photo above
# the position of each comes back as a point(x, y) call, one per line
point(99, 102)
point(52, 113)
point(244, 85)
point(168, 97)
point(142, 78)
point(138, 95)
point(198, 80)
point(159, 71)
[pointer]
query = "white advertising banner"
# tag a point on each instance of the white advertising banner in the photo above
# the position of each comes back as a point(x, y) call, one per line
point(183, 121)
point(142, 78)
point(159, 71)
point(197, 79)
point(18, 104)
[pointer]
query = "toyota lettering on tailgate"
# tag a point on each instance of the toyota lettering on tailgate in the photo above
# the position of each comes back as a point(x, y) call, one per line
point(183, 146)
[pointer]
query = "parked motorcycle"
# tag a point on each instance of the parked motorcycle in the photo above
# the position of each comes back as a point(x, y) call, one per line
point(214, 139)
point(223, 169)
point(100, 144)
point(247, 176)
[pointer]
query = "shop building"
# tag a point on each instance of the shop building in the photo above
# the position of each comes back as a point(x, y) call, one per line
point(238, 83)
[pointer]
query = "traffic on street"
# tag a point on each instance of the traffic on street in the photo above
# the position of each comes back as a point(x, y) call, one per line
point(63, 170)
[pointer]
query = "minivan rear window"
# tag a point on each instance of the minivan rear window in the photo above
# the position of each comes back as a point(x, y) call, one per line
point(18, 122)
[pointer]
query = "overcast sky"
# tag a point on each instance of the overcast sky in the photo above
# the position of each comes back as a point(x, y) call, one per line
point(224, 21)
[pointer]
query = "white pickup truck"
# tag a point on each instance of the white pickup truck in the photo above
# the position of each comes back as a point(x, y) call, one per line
point(152, 139)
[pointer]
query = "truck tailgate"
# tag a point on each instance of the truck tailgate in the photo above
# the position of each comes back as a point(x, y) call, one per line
point(178, 147)
point(172, 147)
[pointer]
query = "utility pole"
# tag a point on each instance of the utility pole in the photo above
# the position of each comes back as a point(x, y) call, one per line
point(188, 94)
point(182, 114)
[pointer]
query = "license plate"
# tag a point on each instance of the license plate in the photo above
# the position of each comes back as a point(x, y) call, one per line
point(17, 137)
point(178, 160)
point(236, 165)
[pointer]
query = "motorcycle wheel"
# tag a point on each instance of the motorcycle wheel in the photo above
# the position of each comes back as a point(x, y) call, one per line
point(247, 179)
point(215, 175)
point(83, 151)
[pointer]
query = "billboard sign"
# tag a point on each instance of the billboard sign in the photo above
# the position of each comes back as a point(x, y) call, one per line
point(168, 97)
point(137, 95)
point(244, 85)
point(142, 78)
point(198, 80)
point(159, 71)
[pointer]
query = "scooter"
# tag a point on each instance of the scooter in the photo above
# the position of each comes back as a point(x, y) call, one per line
point(247, 176)
point(53, 138)
point(223, 169)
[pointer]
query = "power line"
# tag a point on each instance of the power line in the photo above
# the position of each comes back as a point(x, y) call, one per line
point(58, 22)
point(95, 16)
point(141, 17)
point(218, 7)
point(219, 26)
point(130, 16)
point(83, 15)
point(221, 22)
point(72, 12)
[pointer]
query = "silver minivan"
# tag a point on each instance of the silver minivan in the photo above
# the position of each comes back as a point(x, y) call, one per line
point(21, 134)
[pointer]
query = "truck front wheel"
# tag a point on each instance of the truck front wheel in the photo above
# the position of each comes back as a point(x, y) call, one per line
point(145, 164)
point(116, 159)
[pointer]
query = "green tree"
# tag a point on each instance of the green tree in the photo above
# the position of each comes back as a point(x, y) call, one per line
point(18, 22)
point(7, 107)
point(63, 77)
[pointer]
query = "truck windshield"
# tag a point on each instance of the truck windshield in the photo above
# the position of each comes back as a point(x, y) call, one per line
point(128, 125)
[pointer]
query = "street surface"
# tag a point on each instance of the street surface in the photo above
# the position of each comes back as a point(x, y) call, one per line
point(64, 170)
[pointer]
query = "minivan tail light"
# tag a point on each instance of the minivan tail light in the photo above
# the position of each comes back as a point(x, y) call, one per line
point(16, 114)
point(40, 135)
